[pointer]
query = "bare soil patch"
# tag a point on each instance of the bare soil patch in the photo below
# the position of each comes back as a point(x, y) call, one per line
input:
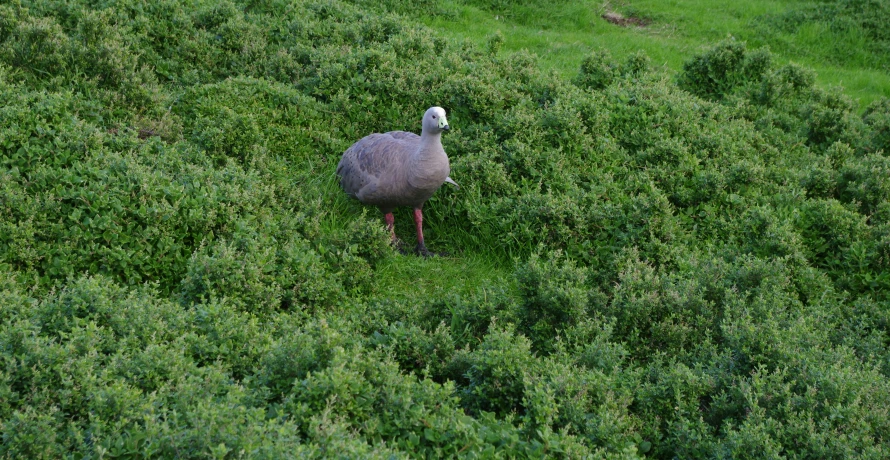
point(626, 21)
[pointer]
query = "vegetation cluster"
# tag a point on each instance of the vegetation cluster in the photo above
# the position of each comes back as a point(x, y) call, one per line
point(695, 267)
point(857, 30)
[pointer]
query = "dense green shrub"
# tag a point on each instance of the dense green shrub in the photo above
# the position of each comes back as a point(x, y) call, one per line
point(495, 371)
point(597, 70)
point(554, 297)
point(877, 117)
point(720, 70)
point(656, 313)
point(866, 182)
point(699, 267)
point(469, 317)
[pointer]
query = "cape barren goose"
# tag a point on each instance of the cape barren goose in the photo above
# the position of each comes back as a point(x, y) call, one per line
point(398, 169)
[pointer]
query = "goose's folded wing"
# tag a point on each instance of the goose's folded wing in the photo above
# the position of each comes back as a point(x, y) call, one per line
point(366, 162)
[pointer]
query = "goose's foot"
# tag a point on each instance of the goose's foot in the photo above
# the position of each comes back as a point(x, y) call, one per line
point(421, 250)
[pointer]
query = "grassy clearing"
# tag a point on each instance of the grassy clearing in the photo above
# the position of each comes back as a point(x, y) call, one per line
point(412, 279)
point(561, 34)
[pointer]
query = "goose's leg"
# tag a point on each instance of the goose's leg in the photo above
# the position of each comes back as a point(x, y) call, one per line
point(418, 221)
point(391, 226)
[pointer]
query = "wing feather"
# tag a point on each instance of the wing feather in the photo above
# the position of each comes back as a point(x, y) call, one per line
point(365, 162)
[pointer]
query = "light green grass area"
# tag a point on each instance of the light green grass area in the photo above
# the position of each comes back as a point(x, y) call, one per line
point(415, 279)
point(562, 33)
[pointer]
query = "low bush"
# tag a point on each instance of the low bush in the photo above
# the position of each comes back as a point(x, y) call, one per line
point(554, 297)
point(699, 266)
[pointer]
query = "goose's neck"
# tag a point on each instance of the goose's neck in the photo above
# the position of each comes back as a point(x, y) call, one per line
point(430, 147)
point(429, 167)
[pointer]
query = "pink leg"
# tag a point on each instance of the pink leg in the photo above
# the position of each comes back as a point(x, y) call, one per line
point(418, 221)
point(391, 225)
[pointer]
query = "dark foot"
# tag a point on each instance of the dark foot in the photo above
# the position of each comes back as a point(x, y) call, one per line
point(421, 250)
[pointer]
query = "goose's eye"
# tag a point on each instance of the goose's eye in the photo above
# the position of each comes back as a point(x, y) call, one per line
point(434, 117)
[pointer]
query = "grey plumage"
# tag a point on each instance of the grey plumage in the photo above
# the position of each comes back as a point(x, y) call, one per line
point(398, 168)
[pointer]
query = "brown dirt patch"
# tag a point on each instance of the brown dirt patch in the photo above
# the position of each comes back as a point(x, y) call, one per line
point(629, 21)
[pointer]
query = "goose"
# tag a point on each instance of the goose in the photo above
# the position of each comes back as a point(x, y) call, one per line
point(398, 168)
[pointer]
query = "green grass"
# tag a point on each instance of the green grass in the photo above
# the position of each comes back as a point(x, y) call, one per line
point(562, 34)
point(411, 278)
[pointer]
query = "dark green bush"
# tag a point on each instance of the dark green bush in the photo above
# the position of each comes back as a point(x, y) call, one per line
point(700, 267)
point(877, 117)
point(496, 373)
point(468, 317)
point(673, 395)
point(592, 345)
point(597, 70)
point(260, 275)
point(714, 74)
point(830, 119)
point(659, 313)
point(830, 230)
point(424, 353)
point(866, 182)
point(554, 297)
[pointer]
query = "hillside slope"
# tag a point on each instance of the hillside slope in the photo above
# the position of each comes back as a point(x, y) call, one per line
point(640, 266)
point(845, 41)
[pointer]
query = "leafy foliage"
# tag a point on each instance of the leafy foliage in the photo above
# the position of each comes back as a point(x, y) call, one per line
point(701, 265)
